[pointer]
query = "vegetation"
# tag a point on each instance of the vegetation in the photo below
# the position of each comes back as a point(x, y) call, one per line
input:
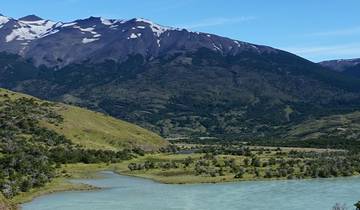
point(345, 126)
point(32, 149)
point(200, 93)
point(35, 158)
point(230, 163)
point(94, 130)
point(98, 131)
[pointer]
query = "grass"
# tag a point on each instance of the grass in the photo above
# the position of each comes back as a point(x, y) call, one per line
point(98, 131)
point(94, 130)
point(12, 95)
point(6, 204)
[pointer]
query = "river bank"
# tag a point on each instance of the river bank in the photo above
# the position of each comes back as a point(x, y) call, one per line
point(168, 168)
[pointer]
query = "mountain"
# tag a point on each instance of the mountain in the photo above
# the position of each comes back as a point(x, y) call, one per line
point(58, 44)
point(349, 67)
point(93, 130)
point(173, 81)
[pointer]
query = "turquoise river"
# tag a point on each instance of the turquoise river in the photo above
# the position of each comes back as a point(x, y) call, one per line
point(123, 193)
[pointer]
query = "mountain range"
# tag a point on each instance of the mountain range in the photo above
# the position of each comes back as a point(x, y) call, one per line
point(174, 81)
point(97, 39)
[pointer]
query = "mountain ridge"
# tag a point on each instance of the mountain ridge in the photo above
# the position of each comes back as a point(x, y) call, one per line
point(99, 39)
point(349, 67)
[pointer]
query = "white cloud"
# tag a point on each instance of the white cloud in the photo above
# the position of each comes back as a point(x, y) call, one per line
point(217, 21)
point(341, 32)
point(326, 51)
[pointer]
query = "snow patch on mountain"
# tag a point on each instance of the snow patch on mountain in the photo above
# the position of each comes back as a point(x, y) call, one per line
point(156, 28)
point(3, 20)
point(133, 36)
point(68, 24)
point(29, 30)
point(106, 22)
point(91, 30)
point(237, 43)
point(88, 40)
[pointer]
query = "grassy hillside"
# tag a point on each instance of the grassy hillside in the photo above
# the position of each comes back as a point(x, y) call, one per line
point(38, 137)
point(94, 130)
point(98, 131)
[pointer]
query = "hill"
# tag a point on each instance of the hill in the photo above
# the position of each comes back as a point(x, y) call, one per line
point(94, 130)
point(350, 67)
point(346, 126)
point(37, 137)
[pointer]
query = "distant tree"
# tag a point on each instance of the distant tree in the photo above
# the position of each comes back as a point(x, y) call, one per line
point(240, 173)
point(187, 161)
point(246, 161)
point(357, 205)
point(132, 166)
point(268, 173)
point(221, 171)
point(256, 162)
point(272, 161)
point(257, 172)
point(149, 164)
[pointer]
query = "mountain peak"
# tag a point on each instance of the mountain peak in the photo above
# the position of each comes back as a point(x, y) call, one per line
point(31, 18)
point(3, 19)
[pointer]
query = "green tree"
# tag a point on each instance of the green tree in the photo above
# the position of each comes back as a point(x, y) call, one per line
point(240, 173)
point(188, 161)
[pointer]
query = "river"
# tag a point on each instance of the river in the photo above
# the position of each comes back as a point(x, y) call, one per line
point(123, 193)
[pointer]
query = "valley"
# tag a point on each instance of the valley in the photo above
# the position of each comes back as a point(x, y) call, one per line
point(82, 149)
point(109, 113)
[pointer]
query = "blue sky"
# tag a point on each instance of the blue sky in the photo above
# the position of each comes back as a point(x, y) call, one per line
point(315, 29)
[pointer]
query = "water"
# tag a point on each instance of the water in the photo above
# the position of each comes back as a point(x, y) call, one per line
point(122, 193)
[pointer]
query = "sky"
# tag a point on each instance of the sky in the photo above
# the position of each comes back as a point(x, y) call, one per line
point(314, 29)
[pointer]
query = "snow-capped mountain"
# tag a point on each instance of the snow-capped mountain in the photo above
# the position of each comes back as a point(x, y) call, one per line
point(16, 35)
point(97, 39)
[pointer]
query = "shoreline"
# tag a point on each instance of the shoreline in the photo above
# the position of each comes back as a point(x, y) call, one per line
point(180, 176)
point(232, 180)
point(95, 175)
